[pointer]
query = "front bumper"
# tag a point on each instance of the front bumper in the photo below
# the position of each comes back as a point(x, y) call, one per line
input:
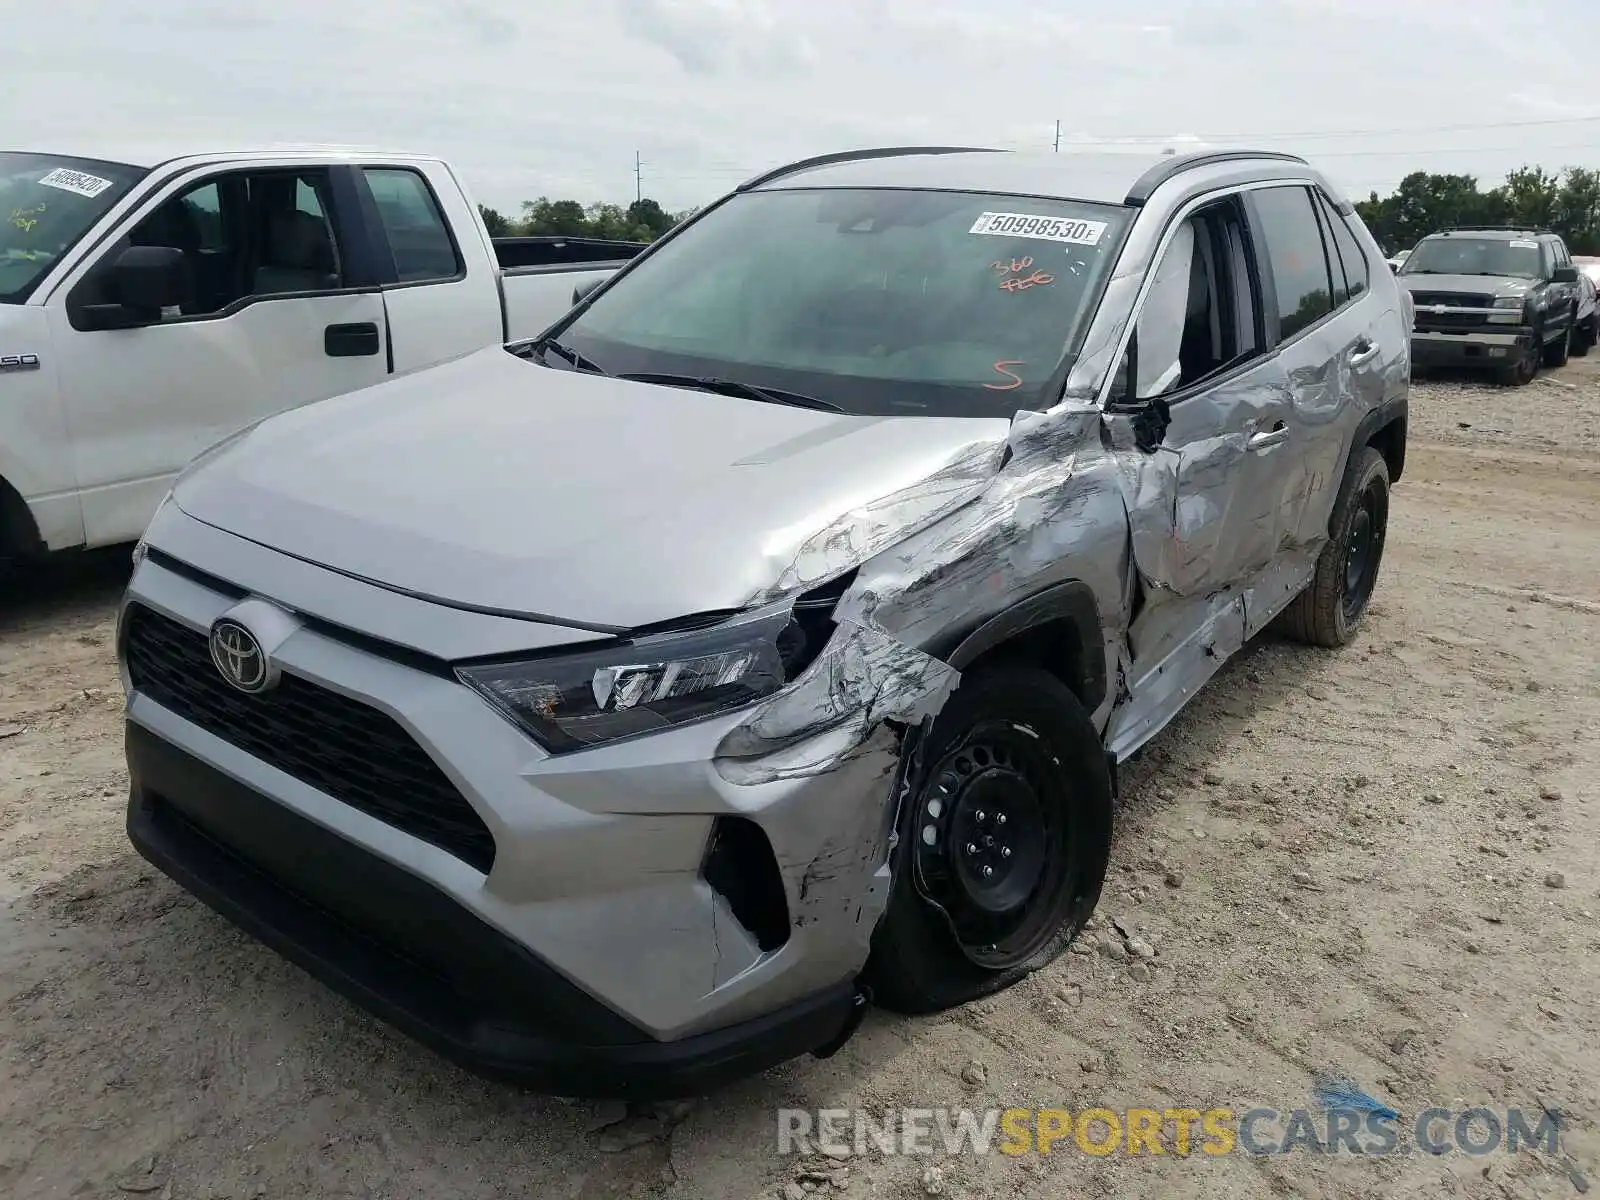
point(1470, 347)
point(597, 879)
point(402, 950)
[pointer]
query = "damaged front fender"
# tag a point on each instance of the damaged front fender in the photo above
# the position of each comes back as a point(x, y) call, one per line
point(862, 679)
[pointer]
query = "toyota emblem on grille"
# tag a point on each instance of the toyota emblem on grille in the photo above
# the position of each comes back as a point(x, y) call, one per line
point(239, 658)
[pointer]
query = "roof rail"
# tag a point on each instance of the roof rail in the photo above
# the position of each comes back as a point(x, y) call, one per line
point(1489, 227)
point(1174, 165)
point(844, 156)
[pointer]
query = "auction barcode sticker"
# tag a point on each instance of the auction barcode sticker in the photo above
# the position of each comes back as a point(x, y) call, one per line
point(1051, 229)
point(76, 181)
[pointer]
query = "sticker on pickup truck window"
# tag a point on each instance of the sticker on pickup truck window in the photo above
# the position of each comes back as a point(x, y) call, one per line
point(76, 181)
point(1050, 229)
point(1521, 245)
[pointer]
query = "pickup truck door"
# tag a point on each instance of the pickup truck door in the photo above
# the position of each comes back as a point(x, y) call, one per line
point(284, 311)
point(438, 273)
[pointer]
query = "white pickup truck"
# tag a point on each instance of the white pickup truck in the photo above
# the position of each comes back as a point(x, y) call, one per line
point(153, 303)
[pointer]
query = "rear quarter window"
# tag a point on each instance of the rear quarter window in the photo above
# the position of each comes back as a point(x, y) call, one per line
point(418, 237)
point(1296, 256)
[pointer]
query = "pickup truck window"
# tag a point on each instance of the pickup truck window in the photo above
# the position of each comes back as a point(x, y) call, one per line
point(48, 202)
point(882, 302)
point(1504, 257)
point(419, 239)
point(244, 234)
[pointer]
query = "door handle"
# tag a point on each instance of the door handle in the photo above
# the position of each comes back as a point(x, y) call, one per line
point(358, 339)
point(1363, 352)
point(1268, 437)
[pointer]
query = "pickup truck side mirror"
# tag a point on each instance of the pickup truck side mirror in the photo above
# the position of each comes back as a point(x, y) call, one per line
point(1564, 275)
point(583, 290)
point(145, 280)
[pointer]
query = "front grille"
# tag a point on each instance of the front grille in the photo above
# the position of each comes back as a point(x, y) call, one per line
point(1453, 299)
point(341, 747)
point(1431, 320)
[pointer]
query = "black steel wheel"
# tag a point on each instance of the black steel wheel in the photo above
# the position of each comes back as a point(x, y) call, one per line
point(1004, 833)
point(1329, 611)
point(991, 847)
point(1369, 523)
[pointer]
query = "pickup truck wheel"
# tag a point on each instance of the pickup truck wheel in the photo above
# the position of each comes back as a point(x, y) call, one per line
point(1003, 843)
point(1555, 354)
point(1583, 337)
point(1521, 370)
point(1329, 612)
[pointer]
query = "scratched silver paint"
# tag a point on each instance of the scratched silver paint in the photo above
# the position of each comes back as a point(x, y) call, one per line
point(1191, 547)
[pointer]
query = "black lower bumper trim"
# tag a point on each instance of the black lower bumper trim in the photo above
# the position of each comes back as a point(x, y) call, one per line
point(1466, 350)
point(412, 956)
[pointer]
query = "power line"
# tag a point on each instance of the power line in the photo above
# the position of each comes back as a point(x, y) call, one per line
point(1436, 150)
point(726, 170)
point(1343, 133)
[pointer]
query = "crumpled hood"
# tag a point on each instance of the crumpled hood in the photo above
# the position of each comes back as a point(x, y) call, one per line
point(496, 483)
point(1472, 285)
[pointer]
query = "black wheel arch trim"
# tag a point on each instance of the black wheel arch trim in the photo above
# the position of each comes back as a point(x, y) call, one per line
point(1394, 410)
point(1073, 601)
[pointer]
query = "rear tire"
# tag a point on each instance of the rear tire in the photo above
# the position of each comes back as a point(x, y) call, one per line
point(1329, 612)
point(1013, 781)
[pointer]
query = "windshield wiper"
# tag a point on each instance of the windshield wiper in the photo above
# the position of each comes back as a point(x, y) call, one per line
point(581, 362)
point(733, 387)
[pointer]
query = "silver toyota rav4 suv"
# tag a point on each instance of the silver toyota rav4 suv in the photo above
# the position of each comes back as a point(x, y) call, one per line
point(622, 711)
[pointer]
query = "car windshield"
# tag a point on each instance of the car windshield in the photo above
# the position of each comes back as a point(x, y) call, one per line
point(877, 302)
point(48, 202)
point(1516, 257)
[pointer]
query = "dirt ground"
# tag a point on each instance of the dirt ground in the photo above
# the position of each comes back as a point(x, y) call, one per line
point(1380, 863)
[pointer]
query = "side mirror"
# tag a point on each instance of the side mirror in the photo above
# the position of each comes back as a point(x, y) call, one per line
point(144, 280)
point(151, 278)
point(584, 290)
point(1564, 275)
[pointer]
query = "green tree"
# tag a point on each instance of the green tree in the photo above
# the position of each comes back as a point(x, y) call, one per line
point(545, 216)
point(642, 221)
point(1568, 203)
point(495, 222)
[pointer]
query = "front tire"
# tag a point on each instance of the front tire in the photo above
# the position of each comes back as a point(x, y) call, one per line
point(1584, 337)
point(1555, 353)
point(1003, 843)
point(1521, 372)
point(1329, 612)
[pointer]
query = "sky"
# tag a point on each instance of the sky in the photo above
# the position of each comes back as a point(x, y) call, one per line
point(534, 97)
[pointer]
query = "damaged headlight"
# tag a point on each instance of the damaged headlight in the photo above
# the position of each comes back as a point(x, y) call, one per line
point(622, 689)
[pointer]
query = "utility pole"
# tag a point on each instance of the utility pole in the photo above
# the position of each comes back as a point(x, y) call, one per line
point(638, 178)
point(1058, 137)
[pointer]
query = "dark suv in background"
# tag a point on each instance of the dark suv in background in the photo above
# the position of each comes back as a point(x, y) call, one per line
point(1503, 299)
